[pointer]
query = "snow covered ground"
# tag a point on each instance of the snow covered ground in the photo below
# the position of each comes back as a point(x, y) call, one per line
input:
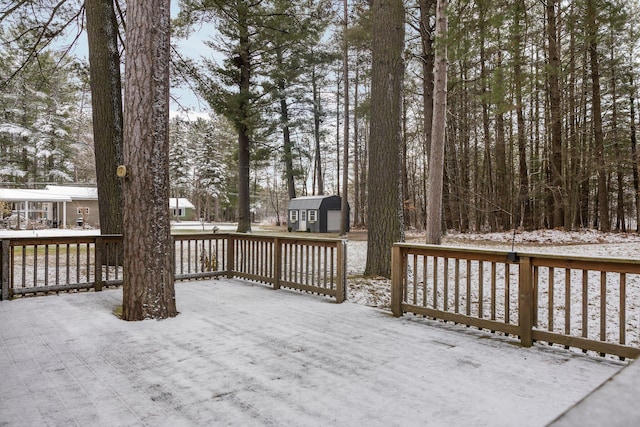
point(376, 292)
point(244, 355)
point(240, 354)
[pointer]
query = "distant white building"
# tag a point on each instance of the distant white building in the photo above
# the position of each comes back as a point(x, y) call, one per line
point(34, 207)
point(182, 209)
point(83, 209)
point(67, 206)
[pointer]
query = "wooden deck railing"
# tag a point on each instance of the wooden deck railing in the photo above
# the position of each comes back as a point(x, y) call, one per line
point(591, 304)
point(55, 264)
point(312, 265)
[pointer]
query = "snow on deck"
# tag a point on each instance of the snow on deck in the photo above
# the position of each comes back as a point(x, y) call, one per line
point(243, 354)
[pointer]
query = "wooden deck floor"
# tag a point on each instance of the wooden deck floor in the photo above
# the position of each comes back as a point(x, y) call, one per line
point(242, 354)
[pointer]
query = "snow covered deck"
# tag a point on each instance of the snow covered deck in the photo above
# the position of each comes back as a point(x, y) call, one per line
point(243, 354)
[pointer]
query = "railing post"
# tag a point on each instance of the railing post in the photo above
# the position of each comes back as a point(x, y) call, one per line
point(97, 249)
point(341, 271)
point(230, 256)
point(4, 269)
point(525, 302)
point(277, 262)
point(396, 281)
point(172, 245)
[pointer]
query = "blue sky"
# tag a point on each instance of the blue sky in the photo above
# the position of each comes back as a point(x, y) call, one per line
point(192, 47)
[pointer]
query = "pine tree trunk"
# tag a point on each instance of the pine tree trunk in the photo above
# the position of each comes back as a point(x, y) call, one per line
point(364, 176)
point(585, 159)
point(244, 139)
point(621, 224)
point(573, 183)
point(286, 134)
point(344, 211)
point(525, 218)
point(148, 277)
point(106, 104)
point(356, 148)
point(385, 179)
point(556, 212)
point(427, 58)
point(436, 158)
point(598, 135)
point(502, 194)
point(317, 109)
point(487, 201)
point(634, 154)
point(338, 161)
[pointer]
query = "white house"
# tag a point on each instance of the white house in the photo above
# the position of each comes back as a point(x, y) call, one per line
point(69, 206)
point(83, 208)
point(32, 207)
point(182, 209)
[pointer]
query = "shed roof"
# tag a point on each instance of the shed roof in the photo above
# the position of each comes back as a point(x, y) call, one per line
point(307, 202)
point(182, 203)
point(20, 195)
point(75, 193)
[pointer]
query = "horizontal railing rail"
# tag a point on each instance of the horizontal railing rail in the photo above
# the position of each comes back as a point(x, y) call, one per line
point(55, 264)
point(586, 303)
point(199, 256)
point(49, 264)
point(313, 265)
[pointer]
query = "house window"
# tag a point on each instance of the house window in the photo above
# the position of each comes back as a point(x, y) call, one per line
point(83, 211)
point(303, 216)
point(313, 216)
point(293, 216)
point(178, 212)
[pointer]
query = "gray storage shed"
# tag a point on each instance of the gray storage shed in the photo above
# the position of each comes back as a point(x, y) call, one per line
point(315, 214)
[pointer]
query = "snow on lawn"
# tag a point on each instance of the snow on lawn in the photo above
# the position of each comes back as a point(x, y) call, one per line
point(376, 291)
point(245, 355)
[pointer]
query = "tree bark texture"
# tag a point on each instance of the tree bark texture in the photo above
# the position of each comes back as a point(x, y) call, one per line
point(356, 148)
point(436, 157)
point(634, 154)
point(385, 173)
point(598, 135)
point(556, 212)
point(427, 58)
point(427, 11)
point(286, 133)
point(148, 249)
point(525, 215)
point(244, 139)
point(317, 110)
point(344, 212)
point(106, 103)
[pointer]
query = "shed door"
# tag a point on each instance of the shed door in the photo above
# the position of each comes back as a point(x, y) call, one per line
point(302, 224)
point(333, 221)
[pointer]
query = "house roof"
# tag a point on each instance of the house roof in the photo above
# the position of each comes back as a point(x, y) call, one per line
point(54, 193)
point(307, 202)
point(181, 203)
point(19, 195)
point(74, 193)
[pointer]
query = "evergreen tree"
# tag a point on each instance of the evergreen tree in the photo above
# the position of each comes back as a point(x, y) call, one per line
point(39, 106)
point(198, 162)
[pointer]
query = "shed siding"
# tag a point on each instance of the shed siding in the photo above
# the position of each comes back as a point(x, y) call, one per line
point(326, 210)
point(333, 221)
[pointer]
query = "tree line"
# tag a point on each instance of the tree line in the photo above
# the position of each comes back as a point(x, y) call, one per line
point(467, 115)
point(540, 119)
